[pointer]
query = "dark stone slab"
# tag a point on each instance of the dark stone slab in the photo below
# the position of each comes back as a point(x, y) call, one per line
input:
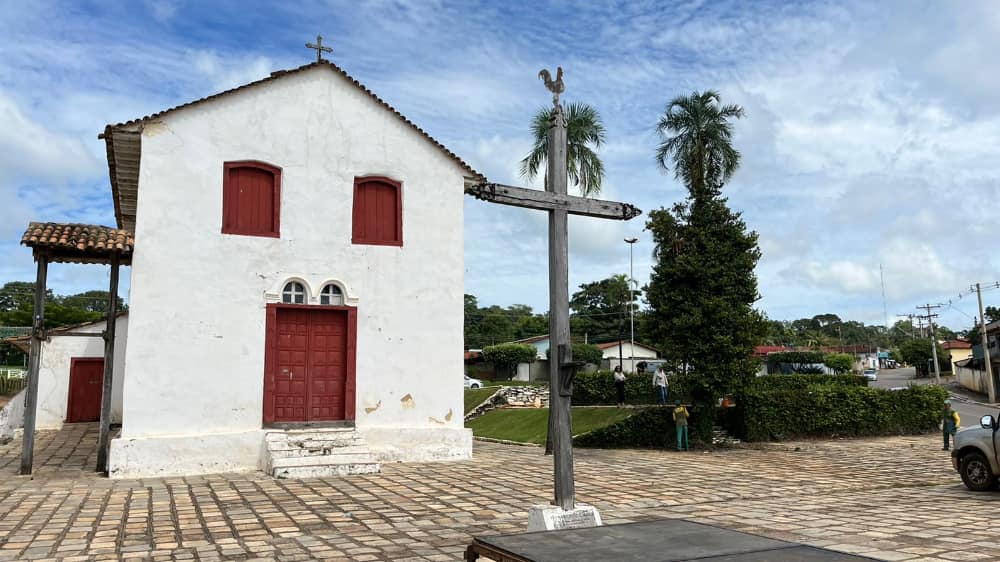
point(667, 540)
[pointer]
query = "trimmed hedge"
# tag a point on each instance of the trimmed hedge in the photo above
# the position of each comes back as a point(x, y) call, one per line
point(784, 382)
point(768, 412)
point(648, 428)
point(598, 389)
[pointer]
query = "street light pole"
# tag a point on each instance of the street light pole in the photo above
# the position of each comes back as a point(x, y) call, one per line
point(631, 299)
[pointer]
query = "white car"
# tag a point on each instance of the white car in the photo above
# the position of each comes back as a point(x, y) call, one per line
point(870, 374)
point(472, 383)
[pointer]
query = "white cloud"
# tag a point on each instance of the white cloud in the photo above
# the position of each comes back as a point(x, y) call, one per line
point(30, 149)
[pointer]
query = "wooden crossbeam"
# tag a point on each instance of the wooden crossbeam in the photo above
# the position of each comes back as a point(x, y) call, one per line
point(548, 201)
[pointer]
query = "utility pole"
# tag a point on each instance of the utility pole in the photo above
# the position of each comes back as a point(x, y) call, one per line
point(910, 318)
point(930, 322)
point(990, 384)
point(631, 300)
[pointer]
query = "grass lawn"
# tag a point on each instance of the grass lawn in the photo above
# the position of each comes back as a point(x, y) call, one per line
point(530, 425)
point(475, 396)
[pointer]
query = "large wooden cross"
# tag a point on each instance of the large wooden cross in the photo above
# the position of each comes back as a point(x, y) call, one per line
point(558, 204)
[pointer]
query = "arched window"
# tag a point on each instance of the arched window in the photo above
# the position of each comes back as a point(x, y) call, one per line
point(331, 295)
point(378, 212)
point(294, 293)
point(251, 199)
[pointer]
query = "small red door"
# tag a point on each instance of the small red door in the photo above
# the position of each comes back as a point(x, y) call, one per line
point(292, 356)
point(327, 365)
point(310, 372)
point(86, 377)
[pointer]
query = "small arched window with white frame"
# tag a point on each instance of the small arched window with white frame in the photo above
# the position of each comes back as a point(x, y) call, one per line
point(331, 295)
point(293, 293)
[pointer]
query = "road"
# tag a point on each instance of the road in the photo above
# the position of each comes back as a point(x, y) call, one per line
point(969, 411)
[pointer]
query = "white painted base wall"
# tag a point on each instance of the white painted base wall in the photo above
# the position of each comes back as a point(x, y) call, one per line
point(12, 416)
point(395, 444)
point(185, 454)
point(180, 455)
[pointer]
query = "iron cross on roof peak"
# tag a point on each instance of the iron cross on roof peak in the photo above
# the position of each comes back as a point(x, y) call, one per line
point(320, 49)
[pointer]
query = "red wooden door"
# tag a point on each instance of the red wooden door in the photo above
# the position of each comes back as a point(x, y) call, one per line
point(311, 365)
point(290, 383)
point(327, 364)
point(86, 382)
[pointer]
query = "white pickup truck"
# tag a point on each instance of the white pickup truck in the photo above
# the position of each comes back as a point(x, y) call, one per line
point(975, 455)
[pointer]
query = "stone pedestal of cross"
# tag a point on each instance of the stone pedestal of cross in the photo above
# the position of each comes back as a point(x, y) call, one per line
point(562, 370)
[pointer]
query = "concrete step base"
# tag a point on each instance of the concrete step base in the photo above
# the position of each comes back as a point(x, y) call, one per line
point(326, 471)
point(312, 453)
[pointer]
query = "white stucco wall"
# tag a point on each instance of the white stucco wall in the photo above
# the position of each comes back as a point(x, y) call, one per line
point(195, 360)
point(640, 352)
point(53, 371)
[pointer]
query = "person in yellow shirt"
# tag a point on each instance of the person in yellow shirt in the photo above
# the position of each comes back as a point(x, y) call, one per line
point(681, 422)
point(950, 422)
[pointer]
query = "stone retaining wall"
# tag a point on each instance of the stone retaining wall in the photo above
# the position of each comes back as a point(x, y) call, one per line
point(516, 396)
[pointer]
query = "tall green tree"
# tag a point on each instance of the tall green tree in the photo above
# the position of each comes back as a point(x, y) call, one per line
point(703, 287)
point(696, 140)
point(701, 293)
point(600, 310)
point(584, 135)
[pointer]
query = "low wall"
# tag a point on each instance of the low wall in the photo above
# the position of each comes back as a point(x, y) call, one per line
point(973, 379)
point(12, 416)
point(517, 396)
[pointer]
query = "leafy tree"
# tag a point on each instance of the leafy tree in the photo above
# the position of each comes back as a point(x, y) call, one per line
point(696, 135)
point(917, 353)
point(584, 134)
point(506, 356)
point(840, 362)
point(701, 293)
point(18, 295)
point(601, 309)
point(703, 287)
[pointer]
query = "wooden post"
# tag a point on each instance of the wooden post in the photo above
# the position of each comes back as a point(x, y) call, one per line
point(109, 366)
point(560, 354)
point(34, 360)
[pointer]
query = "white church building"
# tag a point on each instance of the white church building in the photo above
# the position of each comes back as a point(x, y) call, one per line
point(296, 290)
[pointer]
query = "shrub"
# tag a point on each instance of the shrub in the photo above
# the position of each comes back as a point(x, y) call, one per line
point(506, 356)
point(839, 362)
point(651, 427)
point(802, 362)
point(775, 411)
point(781, 382)
point(598, 388)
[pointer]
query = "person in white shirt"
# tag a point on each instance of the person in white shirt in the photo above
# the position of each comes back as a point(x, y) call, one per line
point(620, 385)
point(660, 385)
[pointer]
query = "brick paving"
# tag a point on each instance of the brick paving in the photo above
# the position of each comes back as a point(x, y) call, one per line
point(891, 498)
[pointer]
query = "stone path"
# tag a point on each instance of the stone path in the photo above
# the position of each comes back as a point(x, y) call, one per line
point(891, 498)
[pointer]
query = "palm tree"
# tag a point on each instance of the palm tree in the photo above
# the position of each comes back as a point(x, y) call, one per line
point(584, 134)
point(697, 136)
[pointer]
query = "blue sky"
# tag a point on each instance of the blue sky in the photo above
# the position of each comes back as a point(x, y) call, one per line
point(871, 132)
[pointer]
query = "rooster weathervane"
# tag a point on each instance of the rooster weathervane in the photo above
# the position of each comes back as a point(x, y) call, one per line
point(556, 87)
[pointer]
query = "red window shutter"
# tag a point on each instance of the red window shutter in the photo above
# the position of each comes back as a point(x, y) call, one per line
point(378, 212)
point(251, 199)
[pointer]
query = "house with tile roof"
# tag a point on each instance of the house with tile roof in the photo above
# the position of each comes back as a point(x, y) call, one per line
point(296, 248)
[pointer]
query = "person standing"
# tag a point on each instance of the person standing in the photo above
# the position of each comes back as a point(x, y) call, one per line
point(620, 386)
point(681, 423)
point(950, 421)
point(660, 385)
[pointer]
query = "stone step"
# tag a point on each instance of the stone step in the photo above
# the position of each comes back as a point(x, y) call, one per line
point(283, 453)
point(341, 441)
point(323, 460)
point(326, 470)
point(334, 433)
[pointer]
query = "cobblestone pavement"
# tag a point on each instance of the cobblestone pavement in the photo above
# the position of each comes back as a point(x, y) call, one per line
point(891, 498)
